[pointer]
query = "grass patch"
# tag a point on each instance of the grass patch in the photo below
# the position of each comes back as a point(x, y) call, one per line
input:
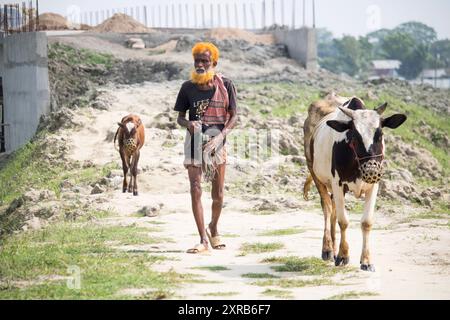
point(281, 232)
point(283, 294)
point(80, 56)
point(285, 99)
point(213, 268)
point(220, 294)
point(259, 276)
point(56, 250)
point(294, 283)
point(25, 169)
point(352, 295)
point(307, 266)
point(259, 247)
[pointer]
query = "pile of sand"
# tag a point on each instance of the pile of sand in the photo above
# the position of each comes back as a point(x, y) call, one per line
point(52, 21)
point(239, 34)
point(121, 23)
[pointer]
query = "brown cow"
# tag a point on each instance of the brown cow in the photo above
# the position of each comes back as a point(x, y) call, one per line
point(131, 138)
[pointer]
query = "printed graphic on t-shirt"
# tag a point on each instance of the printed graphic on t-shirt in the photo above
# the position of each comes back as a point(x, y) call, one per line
point(200, 107)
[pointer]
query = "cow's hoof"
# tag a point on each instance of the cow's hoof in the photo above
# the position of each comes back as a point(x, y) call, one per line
point(135, 193)
point(124, 190)
point(130, 191)
point(368, 267)
point(341, 261)
point(327, 255)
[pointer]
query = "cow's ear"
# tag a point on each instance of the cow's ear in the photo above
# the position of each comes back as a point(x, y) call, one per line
point(120, 124)
point(339, 126)
point(394, 121)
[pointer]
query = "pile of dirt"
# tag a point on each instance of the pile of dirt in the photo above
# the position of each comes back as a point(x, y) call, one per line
point(238, 34)
point(52, 21)
point(121, 23)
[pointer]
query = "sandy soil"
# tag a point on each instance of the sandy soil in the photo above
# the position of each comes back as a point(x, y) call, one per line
point(412, 259)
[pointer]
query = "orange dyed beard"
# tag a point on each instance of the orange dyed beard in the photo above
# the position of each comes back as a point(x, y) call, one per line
point(202, 78)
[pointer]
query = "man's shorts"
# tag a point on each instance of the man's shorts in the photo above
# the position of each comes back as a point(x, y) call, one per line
point(193, 150)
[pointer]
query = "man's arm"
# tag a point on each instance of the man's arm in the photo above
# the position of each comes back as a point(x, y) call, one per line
point(231, 122)
point(190, 125)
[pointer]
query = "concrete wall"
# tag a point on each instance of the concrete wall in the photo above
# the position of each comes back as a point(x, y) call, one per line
point(301, 44)
point(25, 86)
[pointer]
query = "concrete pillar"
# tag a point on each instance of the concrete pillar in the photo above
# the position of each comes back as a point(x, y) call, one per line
point(25, 86)
point(301, 45)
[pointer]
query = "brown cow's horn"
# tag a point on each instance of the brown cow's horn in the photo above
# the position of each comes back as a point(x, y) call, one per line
point(347, 112)
point(381, 108)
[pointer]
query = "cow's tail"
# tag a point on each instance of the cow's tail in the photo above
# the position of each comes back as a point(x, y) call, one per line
point(307, 186)
point(115, 137)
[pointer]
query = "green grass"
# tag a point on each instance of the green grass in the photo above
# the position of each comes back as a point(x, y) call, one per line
point(294, 283)
point(306, 266)
point(259, 247)
point(352, 295)
point(281, 232)
point(258, 276)
point(104, 271)
point(213, 268)
point(26, 169)
point(220, 294)
point(80, 56)
point(283, 294)
point(284, 99)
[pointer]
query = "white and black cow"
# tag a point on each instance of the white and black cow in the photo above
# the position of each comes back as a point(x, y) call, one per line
point(344, 149)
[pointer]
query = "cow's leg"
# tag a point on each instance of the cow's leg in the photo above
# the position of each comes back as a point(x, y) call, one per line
point(130, 185)
point(125, 166)
point(333, 226)
point(134, 170)
point(342, 217)
point(325, 201)
point(366, 226)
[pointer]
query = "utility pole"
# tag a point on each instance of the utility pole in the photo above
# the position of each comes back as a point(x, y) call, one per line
point(304, 12)
point(293, 14)
point(314, 14)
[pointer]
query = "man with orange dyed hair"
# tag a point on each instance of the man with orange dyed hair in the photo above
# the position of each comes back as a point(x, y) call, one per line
point(211, 102)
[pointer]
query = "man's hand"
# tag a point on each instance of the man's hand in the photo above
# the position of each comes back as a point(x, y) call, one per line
point(214, 143)
point(194, 126)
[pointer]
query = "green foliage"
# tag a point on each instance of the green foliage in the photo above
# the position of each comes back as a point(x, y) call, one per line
point(37, 257)
point(80, 56)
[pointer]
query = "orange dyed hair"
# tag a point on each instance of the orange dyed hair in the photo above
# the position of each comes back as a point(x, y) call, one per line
point(201, 47)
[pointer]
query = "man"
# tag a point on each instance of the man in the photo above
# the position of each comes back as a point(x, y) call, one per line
point(211, 101)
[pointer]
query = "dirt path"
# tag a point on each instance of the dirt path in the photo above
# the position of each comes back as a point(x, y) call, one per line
point(412, 259)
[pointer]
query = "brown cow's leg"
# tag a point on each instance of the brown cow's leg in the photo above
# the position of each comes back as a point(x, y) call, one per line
point(366, 226)
point(130, 185)
point(338, 198)
point(134, 172)
point(333, 227)
point(325, 201)
point(125, 171)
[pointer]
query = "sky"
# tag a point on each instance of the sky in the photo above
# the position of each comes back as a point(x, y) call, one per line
point(350, 17)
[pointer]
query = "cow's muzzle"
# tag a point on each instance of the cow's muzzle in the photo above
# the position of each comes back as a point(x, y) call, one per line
point(372, 171)
point(130, 145)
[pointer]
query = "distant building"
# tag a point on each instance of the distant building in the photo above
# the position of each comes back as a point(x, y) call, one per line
point(439, 78)
point(385, 69)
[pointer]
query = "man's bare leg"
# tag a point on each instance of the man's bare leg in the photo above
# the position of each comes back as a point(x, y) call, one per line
point(195, 178)
point(217, 198)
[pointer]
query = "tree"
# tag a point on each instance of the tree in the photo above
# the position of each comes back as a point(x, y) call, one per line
point(421, 33)
point(404, 47)
point(439, 54)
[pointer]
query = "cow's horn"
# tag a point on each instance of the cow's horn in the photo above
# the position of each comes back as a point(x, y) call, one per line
point(348, 112)
point(381, 108)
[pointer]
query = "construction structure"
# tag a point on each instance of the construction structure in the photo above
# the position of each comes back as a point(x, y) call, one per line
point(25, 93)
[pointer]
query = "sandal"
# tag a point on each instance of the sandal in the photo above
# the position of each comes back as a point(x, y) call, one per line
point(199, 248)
point(215, 242)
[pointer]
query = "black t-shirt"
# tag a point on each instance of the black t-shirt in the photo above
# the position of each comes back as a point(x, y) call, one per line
point(191, 97)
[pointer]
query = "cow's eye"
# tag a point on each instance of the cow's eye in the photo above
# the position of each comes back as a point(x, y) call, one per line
point(378, 135)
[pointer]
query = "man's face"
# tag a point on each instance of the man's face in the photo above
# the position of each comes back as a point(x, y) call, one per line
point(202, 62)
